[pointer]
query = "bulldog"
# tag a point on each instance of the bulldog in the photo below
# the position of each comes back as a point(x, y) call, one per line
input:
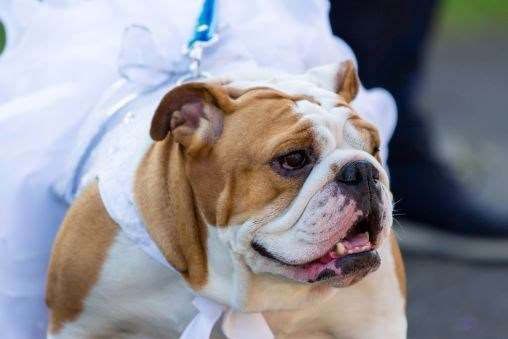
point(265, 195)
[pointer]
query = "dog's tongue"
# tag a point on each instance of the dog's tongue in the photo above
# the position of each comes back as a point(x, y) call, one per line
point(323, 265)
point(359, 240)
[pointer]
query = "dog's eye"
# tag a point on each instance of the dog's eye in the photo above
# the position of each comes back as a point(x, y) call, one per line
point(296, 163)
point(294, 160)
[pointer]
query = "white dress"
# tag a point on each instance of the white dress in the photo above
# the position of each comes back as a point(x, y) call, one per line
point(62, 56)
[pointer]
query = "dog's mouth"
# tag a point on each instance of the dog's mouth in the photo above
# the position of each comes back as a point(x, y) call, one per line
point(348, 261)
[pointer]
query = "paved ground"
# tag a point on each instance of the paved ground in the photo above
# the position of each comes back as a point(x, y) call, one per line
point(466, 94)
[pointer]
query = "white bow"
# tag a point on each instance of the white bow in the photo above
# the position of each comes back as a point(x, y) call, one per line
point(235, 325)
point(141, 60)
point(202, 324)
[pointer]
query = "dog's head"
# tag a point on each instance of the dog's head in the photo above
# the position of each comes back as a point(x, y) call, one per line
point(284, 178)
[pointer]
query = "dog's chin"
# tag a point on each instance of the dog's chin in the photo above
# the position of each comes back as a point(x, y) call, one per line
point(347, 270)
point(350, 260)
point(337, 272)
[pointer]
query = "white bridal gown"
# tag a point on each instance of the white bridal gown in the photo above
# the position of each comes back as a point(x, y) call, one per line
point(60, 60)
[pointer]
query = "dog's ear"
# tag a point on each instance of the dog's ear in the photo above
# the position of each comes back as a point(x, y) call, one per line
point(165, 201)
point(341, 78)
point(193, 113)
point(347, 81)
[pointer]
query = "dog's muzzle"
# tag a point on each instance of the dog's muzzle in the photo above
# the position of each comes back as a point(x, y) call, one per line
point(354, 253)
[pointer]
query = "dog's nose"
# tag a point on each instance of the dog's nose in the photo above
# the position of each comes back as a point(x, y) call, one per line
point(358, 172)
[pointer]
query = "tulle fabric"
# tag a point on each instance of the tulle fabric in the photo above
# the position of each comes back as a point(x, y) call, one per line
point(61, 58)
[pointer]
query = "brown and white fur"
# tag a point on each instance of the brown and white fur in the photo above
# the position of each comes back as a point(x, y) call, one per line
point(221, 197)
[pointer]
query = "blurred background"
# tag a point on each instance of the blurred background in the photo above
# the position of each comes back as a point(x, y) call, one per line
point(2, 37)
point(464, 90)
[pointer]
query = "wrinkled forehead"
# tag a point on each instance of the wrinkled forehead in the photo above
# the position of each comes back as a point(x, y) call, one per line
point(324, 110)
point(294, 86)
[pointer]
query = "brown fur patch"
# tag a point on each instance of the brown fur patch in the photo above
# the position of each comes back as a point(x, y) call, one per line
point(78, 254)
point(242, 158)
point(399, 265)
point(167, 205)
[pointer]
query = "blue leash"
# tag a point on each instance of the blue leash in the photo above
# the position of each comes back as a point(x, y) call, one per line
point(204, 31)
point(204, 35)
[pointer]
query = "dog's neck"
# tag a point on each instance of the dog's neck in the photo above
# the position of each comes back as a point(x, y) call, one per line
point(232, 282)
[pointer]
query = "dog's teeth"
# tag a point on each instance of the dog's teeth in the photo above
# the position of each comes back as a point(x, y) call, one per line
point(340, 249)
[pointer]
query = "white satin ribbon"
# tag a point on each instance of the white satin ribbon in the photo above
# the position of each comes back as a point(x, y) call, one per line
point(202, 324)
point(236, 325)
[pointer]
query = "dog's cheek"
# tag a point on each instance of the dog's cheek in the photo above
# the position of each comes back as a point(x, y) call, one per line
point(208, 183)
point(261, 196)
